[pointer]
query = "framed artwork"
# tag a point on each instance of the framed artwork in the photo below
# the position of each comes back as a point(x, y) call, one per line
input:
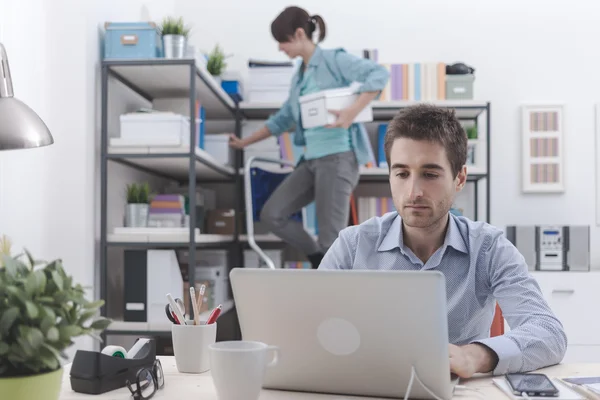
point(542, 132)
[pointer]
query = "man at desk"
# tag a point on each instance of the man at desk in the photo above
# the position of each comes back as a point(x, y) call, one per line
point(426, 150)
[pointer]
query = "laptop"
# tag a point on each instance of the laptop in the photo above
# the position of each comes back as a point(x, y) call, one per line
point(349, 332)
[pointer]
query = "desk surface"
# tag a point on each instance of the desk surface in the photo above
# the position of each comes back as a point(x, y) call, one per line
point(200, 386)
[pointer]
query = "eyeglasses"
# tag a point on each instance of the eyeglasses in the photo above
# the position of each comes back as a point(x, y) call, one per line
point(148, 381)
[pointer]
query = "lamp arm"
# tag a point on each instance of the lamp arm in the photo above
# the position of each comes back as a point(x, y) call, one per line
point(6, 87)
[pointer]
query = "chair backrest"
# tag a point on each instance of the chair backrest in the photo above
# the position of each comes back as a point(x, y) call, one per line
point(263, 184)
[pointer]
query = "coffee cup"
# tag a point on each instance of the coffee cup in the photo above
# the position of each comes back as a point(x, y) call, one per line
point(238, 368)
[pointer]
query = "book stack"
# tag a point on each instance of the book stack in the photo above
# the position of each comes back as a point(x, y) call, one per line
point(269, 81)
point(167, 211)
point(415, 81)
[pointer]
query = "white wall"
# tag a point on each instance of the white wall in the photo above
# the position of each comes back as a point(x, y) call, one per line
point(523, 52)
point(49, 197)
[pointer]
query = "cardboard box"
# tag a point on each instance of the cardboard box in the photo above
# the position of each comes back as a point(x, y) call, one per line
point(314, 107)
point(220, 221)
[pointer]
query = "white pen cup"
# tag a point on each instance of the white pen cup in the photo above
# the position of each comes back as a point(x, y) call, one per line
point(238, 368)
point(190, 346)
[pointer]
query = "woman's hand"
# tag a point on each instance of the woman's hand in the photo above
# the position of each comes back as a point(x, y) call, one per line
point(344, 119)
point(236, 142)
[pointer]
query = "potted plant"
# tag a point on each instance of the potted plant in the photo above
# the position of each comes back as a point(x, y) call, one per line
point(41, 311)
point(216, 62)
point(175, 36)
point(138, 205)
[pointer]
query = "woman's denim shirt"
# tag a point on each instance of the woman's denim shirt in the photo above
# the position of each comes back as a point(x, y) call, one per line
point(332, 69)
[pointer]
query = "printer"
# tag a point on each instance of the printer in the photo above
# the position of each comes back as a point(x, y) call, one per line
point(552, 248)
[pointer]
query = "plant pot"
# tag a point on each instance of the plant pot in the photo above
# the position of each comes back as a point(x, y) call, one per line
point(41, 386)
point(175, 46)
point(136, 215)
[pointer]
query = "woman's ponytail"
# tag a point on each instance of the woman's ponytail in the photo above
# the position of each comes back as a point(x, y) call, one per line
point(318, 21)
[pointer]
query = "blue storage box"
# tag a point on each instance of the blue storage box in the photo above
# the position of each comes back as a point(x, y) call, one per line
point(232, 88)
point(132, 40)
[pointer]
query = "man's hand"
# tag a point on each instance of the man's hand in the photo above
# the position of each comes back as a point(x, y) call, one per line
point(466, 361)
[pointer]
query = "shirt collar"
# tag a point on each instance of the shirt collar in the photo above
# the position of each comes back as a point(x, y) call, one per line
point(393, 238)
point(316, 57)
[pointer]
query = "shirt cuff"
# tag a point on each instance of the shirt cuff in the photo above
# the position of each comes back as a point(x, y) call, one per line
point(509, 354)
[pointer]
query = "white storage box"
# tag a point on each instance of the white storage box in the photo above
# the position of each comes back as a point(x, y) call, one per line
point(217, 145)
point(157, 128)
point(314, 107)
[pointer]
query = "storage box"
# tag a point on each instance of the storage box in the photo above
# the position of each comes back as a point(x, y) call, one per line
point(132, 40)
point(155, 129)
point(217, 145)
point(459, 87)
point(220, 221)
point(314, 107)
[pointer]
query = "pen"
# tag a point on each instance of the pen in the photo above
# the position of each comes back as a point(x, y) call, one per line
point(175, 308)
point(194, 305)
point(214, 315)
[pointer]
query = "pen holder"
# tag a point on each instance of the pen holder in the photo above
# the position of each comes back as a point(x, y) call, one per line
point(93, 372)
point(190, 346)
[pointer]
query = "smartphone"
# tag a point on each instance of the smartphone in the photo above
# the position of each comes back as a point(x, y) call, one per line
point(532, 384)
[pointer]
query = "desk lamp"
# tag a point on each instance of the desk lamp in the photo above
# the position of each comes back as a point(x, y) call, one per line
point(20, 126)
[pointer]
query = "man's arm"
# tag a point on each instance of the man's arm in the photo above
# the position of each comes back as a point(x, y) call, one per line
point(341, 253)
point(536, 338)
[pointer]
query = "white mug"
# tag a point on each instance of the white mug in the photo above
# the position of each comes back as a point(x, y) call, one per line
point(190, 346)
point(238, 368)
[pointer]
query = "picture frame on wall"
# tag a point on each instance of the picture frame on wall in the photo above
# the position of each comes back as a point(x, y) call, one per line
point(542, 132)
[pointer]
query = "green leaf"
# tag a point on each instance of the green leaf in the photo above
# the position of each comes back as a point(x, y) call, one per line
point(94, 305)
point(68, 331)
point(35, 338)
point(86, 315)
point(31, 284)
point(58, 280)
point(16, 292)
point(101, 324)
point(30, 258)
point(49, 312)
point(11, 265)
point(50, 362)
point(45, 300)
point(26, 348)
point(32, 310)
point(4, 348)
point(8, 319)
point(53, 334)
point(41, 277)
point(46, 324)
point(52, 350)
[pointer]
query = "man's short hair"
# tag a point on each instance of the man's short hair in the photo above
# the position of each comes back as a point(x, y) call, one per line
point(431, 123)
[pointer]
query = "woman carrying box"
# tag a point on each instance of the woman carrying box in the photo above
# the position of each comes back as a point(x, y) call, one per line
point(329, 169)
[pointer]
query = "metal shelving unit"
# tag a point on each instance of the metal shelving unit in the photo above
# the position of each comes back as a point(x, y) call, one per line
point(384, 111)
point(164, 78)
point(183, 78)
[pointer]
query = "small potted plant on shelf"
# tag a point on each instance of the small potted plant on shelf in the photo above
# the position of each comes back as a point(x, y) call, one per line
point(216, 62)
point(138, 205)
point(41, 311)
point(175, 37)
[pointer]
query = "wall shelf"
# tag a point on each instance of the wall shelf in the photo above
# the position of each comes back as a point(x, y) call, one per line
point(171, 162)
point(154, 78)
point(382, 110)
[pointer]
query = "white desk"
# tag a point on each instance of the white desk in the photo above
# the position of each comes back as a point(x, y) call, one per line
point(189, 386)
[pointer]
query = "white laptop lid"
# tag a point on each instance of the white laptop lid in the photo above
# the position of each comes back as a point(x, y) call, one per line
point(348, 332)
